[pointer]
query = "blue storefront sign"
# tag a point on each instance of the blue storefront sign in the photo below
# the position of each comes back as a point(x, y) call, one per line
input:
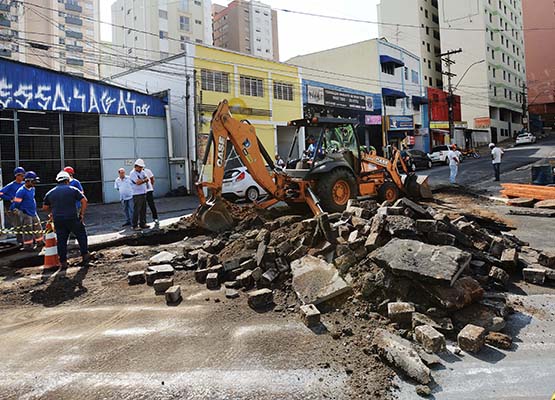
point(25, 87)
point(400, 122)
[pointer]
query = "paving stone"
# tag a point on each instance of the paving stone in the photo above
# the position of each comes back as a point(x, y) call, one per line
point(418, 209)
point(400, 312)
point(212, 281)
point(534, 275)
point(299, 252)
point(499, 340)
point(310, 315)
point(423, 390)
point(163, 269)
point(136, 277)
point(163, 284)
point(150, 277)
point(521, 202)
point(232, 264)
point(128, 252)
point(164, 257)
point(509, 258)
point(400, 226)
point(316, 281)
point(231, 293)
point(200, 275)
point(425, 225)
point(344, 262)
point(547, 259)
point(499, 275)
point(443, 325)
point(545, 204)
point(441, 238)
point(217, 269)
point(376, 236)
point(497, 247)
point(232, 284)
point(471, 338)
point(269, 277)
point(257, 273)
point(173, 294)
point(260, 299)
point(431, 340)
point(246, 279)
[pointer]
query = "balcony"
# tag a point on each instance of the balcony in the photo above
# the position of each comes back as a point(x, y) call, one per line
point(74, 7)
point(75, 35)
point(5, 22)
point(4, 7)
point(74, 61)
point(5, 53)
point(74, 20)
point(73, 48)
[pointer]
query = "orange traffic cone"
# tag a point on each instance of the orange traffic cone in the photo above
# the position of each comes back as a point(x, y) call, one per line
point(51, 259)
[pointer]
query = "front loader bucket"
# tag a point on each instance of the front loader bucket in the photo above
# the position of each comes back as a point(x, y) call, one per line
point(214, 216)
point(417, 186)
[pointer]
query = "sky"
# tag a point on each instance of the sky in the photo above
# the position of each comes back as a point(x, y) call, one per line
point(301, 34)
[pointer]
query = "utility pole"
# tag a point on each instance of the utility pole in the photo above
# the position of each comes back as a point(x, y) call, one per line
point(450, 98)
point(525, 120)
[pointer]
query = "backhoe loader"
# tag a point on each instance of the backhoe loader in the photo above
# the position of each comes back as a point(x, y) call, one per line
point(334, 169)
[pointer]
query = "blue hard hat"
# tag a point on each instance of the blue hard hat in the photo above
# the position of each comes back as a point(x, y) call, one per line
point(31, 176)
point(18, 170)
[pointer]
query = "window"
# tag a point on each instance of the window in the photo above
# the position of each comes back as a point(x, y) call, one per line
point(390, 101)
point(198, 22)
point(414, 76)
point(388, 69)
point(163, 14)
point(198, 3)
point(438, 67)
point(184, 23)
point(214, 81)
point(163, 35)
point(251, 86)
point(406, 74)
point(426, 13)
point(184, 5)
point(493, 70)
point(283, 91)
point(428, 47)
point(184, 40)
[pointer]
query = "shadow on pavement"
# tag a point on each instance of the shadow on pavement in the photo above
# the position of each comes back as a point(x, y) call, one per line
point(62, 288)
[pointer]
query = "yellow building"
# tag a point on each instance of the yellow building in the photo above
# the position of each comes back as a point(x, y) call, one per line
point(264, 92)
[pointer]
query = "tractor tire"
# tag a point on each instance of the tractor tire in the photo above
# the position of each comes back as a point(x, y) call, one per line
point(388, 192)
point(335, 190)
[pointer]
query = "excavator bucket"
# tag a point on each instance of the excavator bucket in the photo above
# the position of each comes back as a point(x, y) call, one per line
point(417, 186)
point(214, 216)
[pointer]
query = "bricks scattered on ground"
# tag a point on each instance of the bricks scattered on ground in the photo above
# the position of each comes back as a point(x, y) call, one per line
point(212, 281)
point(310, 315)
point(231, 293)
point(431, 340)
point(173, 294)
point(499, 340)
point(162, 284)
point(260, 299)
point(136, 277)
point(471, 338)
point(400, 313)
point(164, 257)
point(534, 275)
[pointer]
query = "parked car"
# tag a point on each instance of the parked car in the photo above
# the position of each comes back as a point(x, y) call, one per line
point(239, 184)
point(418, 159)
point(524, 138)
point(439, 154)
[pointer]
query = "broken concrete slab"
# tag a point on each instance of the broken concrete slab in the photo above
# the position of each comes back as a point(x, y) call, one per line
point(161, 285)
point(545, 204)
point(425, 225)
point(421, 261)
point(136, 277)
point(471, 338)
point(164, 269)
point(173, 294)
point(164, 257)
point(420, 211)
point(400, 353)
point(534, 275)
point(316, 281)
point(400, 312)
point(260, 299)
point(344, 262)
point(521, 202)
point(431, 340)
point(443, 325)
point(464, 292)
point(400, 226)
point(310, 315)
point(441, 238)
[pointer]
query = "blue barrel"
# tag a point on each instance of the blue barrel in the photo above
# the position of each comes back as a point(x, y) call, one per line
point(542, 174)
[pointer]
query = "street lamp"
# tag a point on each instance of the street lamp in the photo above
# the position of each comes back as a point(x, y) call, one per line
point(465, 72)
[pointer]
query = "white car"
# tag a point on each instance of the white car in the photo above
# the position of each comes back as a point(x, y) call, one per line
point(239, 184)
point(525, 138)
point(439, 154)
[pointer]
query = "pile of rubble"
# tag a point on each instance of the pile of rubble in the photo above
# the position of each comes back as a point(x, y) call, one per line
point(433, 278)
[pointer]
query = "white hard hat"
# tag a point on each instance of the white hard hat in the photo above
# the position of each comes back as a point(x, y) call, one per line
point(140, 162)
point(62, 176)
point(491, 145)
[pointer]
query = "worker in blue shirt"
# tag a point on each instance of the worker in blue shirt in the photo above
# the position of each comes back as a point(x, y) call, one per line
point(75, 183)
point(7, 194)
point(60, 201)
point(26, 206)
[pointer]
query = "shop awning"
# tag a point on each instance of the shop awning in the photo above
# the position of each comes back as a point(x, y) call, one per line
point(391, 60)
point(418, 100)
point(393, 93)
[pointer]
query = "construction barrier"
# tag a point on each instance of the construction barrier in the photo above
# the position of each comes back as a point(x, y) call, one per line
point(51, 259)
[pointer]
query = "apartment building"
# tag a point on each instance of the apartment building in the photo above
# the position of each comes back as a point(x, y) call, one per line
point(540, 64)
point(414, 25)
point(492, 65)
point(150, 30)
point(248, 27)
point(57, 34)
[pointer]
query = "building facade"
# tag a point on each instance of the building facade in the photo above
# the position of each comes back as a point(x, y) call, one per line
point(264, 92)
point(414, 25)
point(50, 119)
point(377, 66)
point(540, 64)
point(60, 35)
point(248, 27)
point(150, 30)
point(492, 90)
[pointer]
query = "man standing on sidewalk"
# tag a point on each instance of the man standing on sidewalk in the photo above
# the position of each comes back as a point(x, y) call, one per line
point(496, 155)
point(139, 184)
point(124, 186)
point(454, 161)
point(150, 195)
point(7, 194)
point(61, 202)
point(25, 204)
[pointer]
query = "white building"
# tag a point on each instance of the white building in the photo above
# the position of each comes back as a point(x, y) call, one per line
point(489, 30)
point(380, 67)
point(414, 25)
point(150, 30)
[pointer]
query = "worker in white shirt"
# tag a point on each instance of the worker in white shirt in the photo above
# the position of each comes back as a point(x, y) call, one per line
point(496, 155)
point(454, 162)
point(150, 195)
point(125, 188)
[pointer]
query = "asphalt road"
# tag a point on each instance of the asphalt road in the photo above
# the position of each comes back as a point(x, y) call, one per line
point(479, 173)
